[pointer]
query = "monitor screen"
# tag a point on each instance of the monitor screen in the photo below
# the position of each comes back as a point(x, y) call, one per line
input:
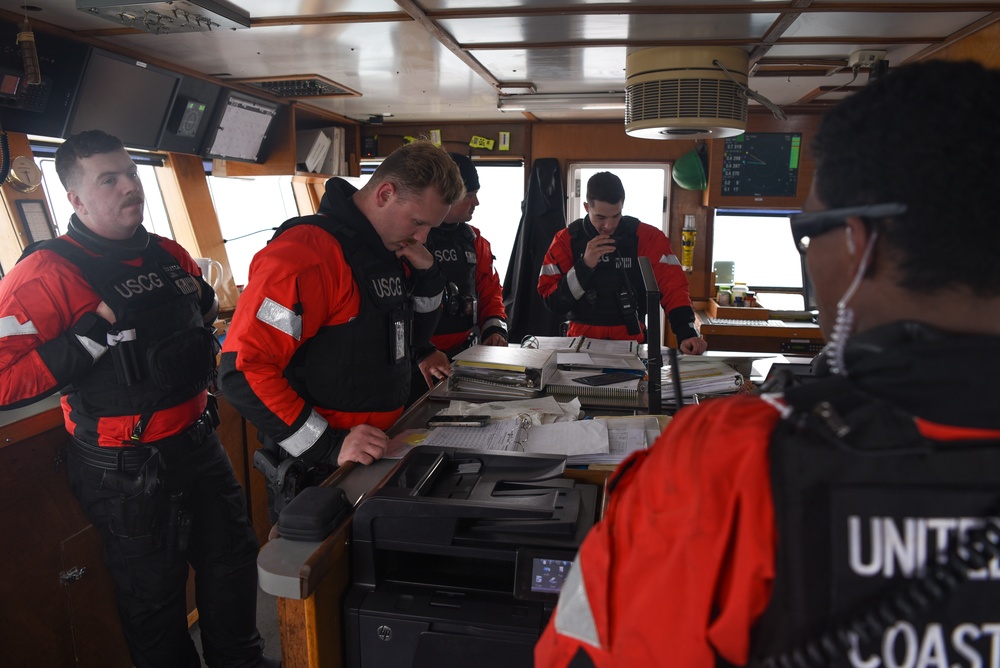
point(124, 97)
point(241, 125)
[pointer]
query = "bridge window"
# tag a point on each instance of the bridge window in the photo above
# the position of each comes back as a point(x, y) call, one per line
point(249, 210)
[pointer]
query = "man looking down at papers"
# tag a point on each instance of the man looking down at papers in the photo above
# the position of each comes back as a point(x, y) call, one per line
point(339, 308)
point(850, 521)
point(591, 273)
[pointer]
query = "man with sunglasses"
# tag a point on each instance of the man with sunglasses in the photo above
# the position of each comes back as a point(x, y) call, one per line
point(851, 520)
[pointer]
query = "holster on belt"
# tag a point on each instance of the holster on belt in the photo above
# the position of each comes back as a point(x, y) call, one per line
point(145, 480)
point(285, 479)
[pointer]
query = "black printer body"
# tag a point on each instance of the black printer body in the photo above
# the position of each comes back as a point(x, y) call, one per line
point(458, 559)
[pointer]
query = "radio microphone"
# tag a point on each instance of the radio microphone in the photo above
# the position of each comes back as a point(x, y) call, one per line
point(29, 54)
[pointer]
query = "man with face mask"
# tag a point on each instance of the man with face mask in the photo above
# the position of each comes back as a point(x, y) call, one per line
point(852, 520)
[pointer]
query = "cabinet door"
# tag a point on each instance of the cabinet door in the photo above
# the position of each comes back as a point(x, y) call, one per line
point(97, 636)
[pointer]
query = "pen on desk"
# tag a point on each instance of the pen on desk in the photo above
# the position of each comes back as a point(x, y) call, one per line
point(634, 371)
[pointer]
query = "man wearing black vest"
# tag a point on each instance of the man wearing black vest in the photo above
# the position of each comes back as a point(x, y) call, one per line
point(851, 520)
point(591, 272)
point(472, 310)
point(116, 319)
point(339, 309)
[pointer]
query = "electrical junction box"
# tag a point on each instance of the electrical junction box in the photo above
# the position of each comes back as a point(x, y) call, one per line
point(864, 58)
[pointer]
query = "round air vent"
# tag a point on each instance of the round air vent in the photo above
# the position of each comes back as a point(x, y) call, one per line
point(678, 93)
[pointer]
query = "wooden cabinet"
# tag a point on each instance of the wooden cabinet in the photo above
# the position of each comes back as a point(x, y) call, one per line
point(282, 157)
point(56, 595)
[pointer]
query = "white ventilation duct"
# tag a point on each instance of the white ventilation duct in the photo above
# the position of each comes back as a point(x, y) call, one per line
point(678, 93)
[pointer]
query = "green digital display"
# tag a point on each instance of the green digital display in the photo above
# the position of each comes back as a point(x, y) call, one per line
point(761, 164)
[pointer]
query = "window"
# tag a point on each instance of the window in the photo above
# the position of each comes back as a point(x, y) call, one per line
point(760, 245)
point(646, 189)
point(155, 217)
point(249, 210)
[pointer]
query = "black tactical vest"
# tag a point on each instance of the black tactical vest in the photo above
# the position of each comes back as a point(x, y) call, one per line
point(455, 252)
point(160, 352)
point(362, 365)
point(866, 509)
point(616, 277)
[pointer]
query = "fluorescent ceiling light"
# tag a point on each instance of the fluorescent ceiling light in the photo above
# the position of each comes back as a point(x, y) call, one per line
point(562, 102)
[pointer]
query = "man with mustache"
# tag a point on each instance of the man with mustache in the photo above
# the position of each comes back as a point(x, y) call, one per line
point(117, 320)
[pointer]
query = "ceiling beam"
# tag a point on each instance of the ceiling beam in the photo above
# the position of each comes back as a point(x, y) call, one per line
point(747, 41)
point(420, 16)
point(328, 19)
point(954, 37)
point(777, 29)
point(766, 8)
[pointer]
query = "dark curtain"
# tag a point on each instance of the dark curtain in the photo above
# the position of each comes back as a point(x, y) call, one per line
point(543, 213)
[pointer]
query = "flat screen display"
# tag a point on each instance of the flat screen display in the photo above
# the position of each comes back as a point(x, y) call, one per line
point(124, 97)
point(761, 164)
point(241, 126)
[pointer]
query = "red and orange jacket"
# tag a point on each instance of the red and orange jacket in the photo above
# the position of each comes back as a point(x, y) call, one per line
point(50, 336)
point(564, 279)
point(492, 316)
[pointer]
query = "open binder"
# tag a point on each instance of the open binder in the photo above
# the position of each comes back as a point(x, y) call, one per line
point(580, 352)
point(628, 393)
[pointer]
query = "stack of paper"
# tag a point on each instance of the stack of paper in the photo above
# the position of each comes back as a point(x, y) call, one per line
point(700, 375)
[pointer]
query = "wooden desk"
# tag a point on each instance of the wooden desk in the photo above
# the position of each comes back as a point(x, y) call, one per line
point(790, 338)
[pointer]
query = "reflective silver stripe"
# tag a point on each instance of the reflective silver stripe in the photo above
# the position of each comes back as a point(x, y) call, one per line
point(114, 338)
point(551, 270)
point(669, 259)
point(282, 319)
point(427, 304)
point(776, 400)
point(573, 282)
point(93, 347)
point(9, 326)
point(495, 322)
point(573, 615)
point(306, 436)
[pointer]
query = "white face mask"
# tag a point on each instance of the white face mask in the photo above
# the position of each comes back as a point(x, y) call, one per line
point(843, 326)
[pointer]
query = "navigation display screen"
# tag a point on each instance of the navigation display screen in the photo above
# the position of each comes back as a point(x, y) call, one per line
point(761, 164)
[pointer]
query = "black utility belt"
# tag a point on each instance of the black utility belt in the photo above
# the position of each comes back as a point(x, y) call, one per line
point(128, 458)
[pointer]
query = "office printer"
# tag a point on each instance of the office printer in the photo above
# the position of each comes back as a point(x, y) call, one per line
point(458, 559)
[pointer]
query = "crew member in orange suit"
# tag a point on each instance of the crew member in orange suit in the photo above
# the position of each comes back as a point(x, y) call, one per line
point(851, 520)
point(117, 320)
point(338, 311)
point(591, 273)
point(472, 310)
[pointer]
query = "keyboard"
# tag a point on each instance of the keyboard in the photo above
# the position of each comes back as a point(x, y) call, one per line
point(736, 322)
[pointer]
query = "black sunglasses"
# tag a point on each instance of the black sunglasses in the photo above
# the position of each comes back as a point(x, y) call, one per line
point(811, 224)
